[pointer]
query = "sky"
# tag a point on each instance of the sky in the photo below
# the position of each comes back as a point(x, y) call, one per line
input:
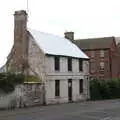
point(87, 18)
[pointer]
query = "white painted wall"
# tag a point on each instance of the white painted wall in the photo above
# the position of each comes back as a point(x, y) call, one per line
point(63, 75)
point(43, 65)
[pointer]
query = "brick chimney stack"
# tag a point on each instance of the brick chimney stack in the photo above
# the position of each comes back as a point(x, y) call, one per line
point(20, 25)
point(20, 40)
point(69, 35)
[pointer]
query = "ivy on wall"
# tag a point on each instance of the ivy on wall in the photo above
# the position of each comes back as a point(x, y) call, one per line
point(8, 81)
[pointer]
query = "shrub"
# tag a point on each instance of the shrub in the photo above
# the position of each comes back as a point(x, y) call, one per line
point(8, 81)
point(104, 89)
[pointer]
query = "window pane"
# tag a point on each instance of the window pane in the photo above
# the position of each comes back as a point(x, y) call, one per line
point(81, 86)
point(57, 63)
point(69, 64)
point(101, 53)
point(102, 65)
point(57, 87)
point(92, 53)
point(80, 65)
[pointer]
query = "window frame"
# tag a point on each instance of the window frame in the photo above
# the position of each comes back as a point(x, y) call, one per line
point(102, 53)
point(57, 63)
point(102, 69)
point(69, 60)
point(92, 53)
point(57, 88)
point(81, 84)
point(80, 65)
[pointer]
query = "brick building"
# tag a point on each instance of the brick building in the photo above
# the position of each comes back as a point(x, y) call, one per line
point(104, 55)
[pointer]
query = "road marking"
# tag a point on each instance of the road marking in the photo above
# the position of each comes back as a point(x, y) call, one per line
point(106, 118)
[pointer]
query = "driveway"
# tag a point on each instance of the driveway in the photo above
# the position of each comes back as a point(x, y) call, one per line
point(100, 110)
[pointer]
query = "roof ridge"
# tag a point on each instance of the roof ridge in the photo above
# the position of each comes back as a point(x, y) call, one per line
point(96, 38)
point(47, 33)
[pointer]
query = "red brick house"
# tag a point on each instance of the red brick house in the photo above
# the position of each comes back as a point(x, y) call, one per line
point(104, 55)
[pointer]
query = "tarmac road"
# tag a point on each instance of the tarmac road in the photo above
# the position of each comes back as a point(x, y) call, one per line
point(99, 110)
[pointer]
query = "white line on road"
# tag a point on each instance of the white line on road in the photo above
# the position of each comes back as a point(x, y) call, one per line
point(106, 118)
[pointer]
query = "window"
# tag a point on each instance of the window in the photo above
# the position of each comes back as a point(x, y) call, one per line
point(81, 86)
point(101, 53)
point(69, 64)
point(92, 53)
point(102, 65)
point(57, 88)
point(93, 67)
point(57, 63)
point(80, 65)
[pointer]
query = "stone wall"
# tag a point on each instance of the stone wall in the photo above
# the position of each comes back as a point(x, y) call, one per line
point(29, 94)
point(24, 95)
point(36, 59)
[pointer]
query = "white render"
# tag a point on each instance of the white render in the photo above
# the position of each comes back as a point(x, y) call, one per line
point(63, 75)
point(43, 66)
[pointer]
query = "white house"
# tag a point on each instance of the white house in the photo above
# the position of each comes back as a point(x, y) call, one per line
point(60, 65)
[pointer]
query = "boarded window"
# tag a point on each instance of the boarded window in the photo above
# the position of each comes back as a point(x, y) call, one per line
point(57, 88)
point(80, 65)
point(81, 86)
point(69, 64)
point(57, 63)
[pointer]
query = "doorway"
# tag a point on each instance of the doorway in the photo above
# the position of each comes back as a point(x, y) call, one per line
point(70, 90)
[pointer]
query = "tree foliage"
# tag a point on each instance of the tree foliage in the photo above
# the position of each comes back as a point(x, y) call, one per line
point(9, 80)
point(104, 89)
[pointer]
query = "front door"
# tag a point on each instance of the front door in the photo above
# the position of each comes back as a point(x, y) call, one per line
point(70, 90)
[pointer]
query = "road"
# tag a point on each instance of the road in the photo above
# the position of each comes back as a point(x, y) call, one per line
point(99, 110)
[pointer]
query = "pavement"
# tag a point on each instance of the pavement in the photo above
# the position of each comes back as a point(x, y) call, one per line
point(90, 110)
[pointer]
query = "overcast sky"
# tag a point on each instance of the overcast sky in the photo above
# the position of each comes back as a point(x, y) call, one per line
point(87, 18)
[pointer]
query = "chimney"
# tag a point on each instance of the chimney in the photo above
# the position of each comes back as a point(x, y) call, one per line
point(20, 39)
point(20, 25)
point(69, 35)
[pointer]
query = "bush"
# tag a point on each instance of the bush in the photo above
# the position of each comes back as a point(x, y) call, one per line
point(9, 80)
point(104, 89)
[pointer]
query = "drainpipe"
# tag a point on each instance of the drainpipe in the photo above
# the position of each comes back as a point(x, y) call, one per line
point(110, 57)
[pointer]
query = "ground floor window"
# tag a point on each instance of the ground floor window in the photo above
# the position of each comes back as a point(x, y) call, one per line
point(81, 86)
point(57, 88)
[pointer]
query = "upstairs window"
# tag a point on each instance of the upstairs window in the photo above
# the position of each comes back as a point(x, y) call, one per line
point(69, 64)
point(57, 88)
point(102, 66)
point(80, 65)
point(101, 53)
point(57, 63)
point(92, 54)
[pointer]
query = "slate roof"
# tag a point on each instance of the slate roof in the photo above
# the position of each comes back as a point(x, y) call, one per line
point(55, 45)
point(94, 43)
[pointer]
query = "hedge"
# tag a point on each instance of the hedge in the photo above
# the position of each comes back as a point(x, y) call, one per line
point(104, 89)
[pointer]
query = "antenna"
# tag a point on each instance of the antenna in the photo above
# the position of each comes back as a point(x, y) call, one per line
point(27, 7)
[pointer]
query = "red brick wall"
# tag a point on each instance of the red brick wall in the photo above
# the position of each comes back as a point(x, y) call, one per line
point(95, 64)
